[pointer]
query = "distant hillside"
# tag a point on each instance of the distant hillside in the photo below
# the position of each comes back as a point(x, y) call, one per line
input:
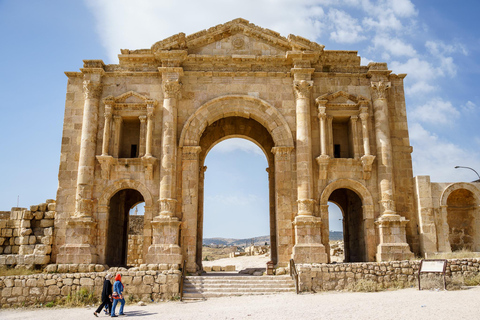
point(334, 236)
point(236, 242)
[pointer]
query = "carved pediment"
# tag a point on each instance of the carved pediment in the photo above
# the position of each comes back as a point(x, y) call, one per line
point(237, 37)
point(340, 98)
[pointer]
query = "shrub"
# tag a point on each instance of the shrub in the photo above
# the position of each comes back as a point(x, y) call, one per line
point(80, 297)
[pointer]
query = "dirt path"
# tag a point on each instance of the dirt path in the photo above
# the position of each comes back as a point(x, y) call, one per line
point(401, 304)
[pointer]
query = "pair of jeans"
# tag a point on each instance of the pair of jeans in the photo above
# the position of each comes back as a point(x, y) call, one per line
point(105, 303)
point(122, 303)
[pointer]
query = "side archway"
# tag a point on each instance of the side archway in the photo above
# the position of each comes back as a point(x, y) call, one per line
point(460, 215)
point(113, 221)
point(356, 204)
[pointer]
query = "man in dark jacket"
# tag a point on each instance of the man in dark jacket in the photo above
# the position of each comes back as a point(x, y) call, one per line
point(106, 295)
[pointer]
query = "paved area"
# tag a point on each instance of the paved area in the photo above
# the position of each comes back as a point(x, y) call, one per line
point(401, 304)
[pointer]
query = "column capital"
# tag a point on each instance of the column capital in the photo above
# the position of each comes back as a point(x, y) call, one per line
point(92, 89)
point(322, 112)
point(190, 152)
point(142, 118)
point(354, 118)
point(282, 152)
point(108, 111)
point(379, 89)
point(302, 89)
point(171, 88)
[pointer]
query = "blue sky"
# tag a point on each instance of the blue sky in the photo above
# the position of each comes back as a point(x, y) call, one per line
point(437, 43)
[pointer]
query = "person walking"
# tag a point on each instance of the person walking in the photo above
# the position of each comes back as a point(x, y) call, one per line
point(118, 296)
point(106, 295)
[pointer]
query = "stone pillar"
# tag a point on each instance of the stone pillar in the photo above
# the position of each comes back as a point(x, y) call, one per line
point(284, 203)
point(171, 88)
point(384, 146)
point(353, 128)
point(324, 159)
point(302, 89)
point(367, 159)
point(80, 236)
point(308, 243)
point(141, 148)
point(393, 243)
point(106, 130)
point(88, 143)
point(148, 147)
point(330, 135)
point(117, 125)
point(166, 225)
point(190, 180)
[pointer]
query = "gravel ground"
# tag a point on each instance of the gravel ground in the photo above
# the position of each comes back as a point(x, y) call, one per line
point(401, 304)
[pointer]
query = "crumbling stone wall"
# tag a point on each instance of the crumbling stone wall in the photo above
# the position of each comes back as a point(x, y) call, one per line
point(26, 236)
point(152, 282)
point(325, 277)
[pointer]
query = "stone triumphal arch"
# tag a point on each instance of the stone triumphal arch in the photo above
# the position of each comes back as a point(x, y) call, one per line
point(331, 130)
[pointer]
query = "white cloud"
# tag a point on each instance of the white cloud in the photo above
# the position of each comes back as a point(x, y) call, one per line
point(469, 107)
point(438, 158)
point(436, 111)
point(237, 144)
point(394, 46)
point(346, 28)
point(139, 24)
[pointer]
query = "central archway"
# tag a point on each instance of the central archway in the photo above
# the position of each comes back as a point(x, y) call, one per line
point(251, 130)
point(253, 119)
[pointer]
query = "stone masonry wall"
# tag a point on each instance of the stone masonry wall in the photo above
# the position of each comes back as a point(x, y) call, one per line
point(146, 283)
point(135, 250)
point(325, 277)
point(26, 236)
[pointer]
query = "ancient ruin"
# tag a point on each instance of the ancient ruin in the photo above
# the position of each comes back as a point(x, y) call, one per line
point(331, 130)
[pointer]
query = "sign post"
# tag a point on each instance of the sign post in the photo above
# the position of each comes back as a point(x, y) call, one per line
point(433, 266)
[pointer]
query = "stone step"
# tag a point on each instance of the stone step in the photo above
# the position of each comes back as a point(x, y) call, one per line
point(202, 287)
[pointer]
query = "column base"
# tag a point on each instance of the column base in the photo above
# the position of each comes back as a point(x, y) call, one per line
point(79, 247)
point(393, 244)
point(164, 249)
point(308, 246)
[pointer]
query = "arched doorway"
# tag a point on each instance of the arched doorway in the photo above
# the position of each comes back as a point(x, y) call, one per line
point(236, 127)
point(118, 226)
point(462, 220)
point(353, 225)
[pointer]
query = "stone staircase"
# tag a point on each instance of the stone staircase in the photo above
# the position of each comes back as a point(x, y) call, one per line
point(202, 287)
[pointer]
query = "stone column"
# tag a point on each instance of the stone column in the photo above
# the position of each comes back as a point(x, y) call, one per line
point(302, 89)
point(324, 159)
point(106, 130)
point(80, 235)
point(88, 143)
point(393, 244)
point(367, 159)
point(117, 125)
point(190, 179)
point(171, 88)
point(148, 147)
point(284, 203)
point(308, 243)
point(353, 128)
point(141, 147)
point(165, 226)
